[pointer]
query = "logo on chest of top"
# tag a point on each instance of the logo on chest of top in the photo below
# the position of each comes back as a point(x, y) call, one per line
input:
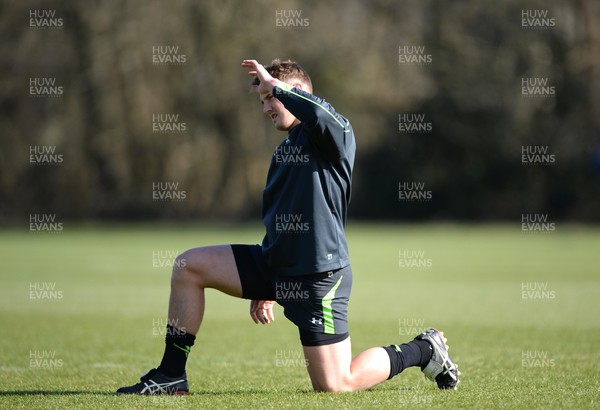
point(290, 155)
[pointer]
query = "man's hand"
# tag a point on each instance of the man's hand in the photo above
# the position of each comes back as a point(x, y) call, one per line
point(267, 82)
point(261, 311)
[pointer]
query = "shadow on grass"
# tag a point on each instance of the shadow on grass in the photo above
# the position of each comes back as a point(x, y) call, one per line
point(193, 393)
point(112, 393)
point(52, 392)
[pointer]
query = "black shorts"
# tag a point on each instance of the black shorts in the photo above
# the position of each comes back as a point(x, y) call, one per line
point(317, 303)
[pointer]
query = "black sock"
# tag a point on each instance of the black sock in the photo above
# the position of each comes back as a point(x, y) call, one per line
point(414, 353)
point(178, 345)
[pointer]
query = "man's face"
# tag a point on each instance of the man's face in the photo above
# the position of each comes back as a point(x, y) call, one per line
point(282, 119)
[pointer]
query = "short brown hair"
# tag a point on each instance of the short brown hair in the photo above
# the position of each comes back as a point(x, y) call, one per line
point(287, 71)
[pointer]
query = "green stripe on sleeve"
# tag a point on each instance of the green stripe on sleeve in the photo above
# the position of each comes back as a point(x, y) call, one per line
point(288, 88)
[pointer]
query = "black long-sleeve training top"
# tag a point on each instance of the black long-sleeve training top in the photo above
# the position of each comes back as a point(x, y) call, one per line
point(308, 189)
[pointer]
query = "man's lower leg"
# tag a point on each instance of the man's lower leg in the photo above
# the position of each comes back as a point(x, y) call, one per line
point(186, 309)
point(414, 353)
point(177, 348)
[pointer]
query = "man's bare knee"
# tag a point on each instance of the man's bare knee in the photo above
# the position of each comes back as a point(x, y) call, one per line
point(332, 384)
point(332, 387)
point(207, 267)
point(329, 366)
point(185, 272)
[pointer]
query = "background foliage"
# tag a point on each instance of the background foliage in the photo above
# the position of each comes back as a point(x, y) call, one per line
point(470, 93)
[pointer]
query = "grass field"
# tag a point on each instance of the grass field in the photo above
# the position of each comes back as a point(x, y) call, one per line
point(82, 313)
